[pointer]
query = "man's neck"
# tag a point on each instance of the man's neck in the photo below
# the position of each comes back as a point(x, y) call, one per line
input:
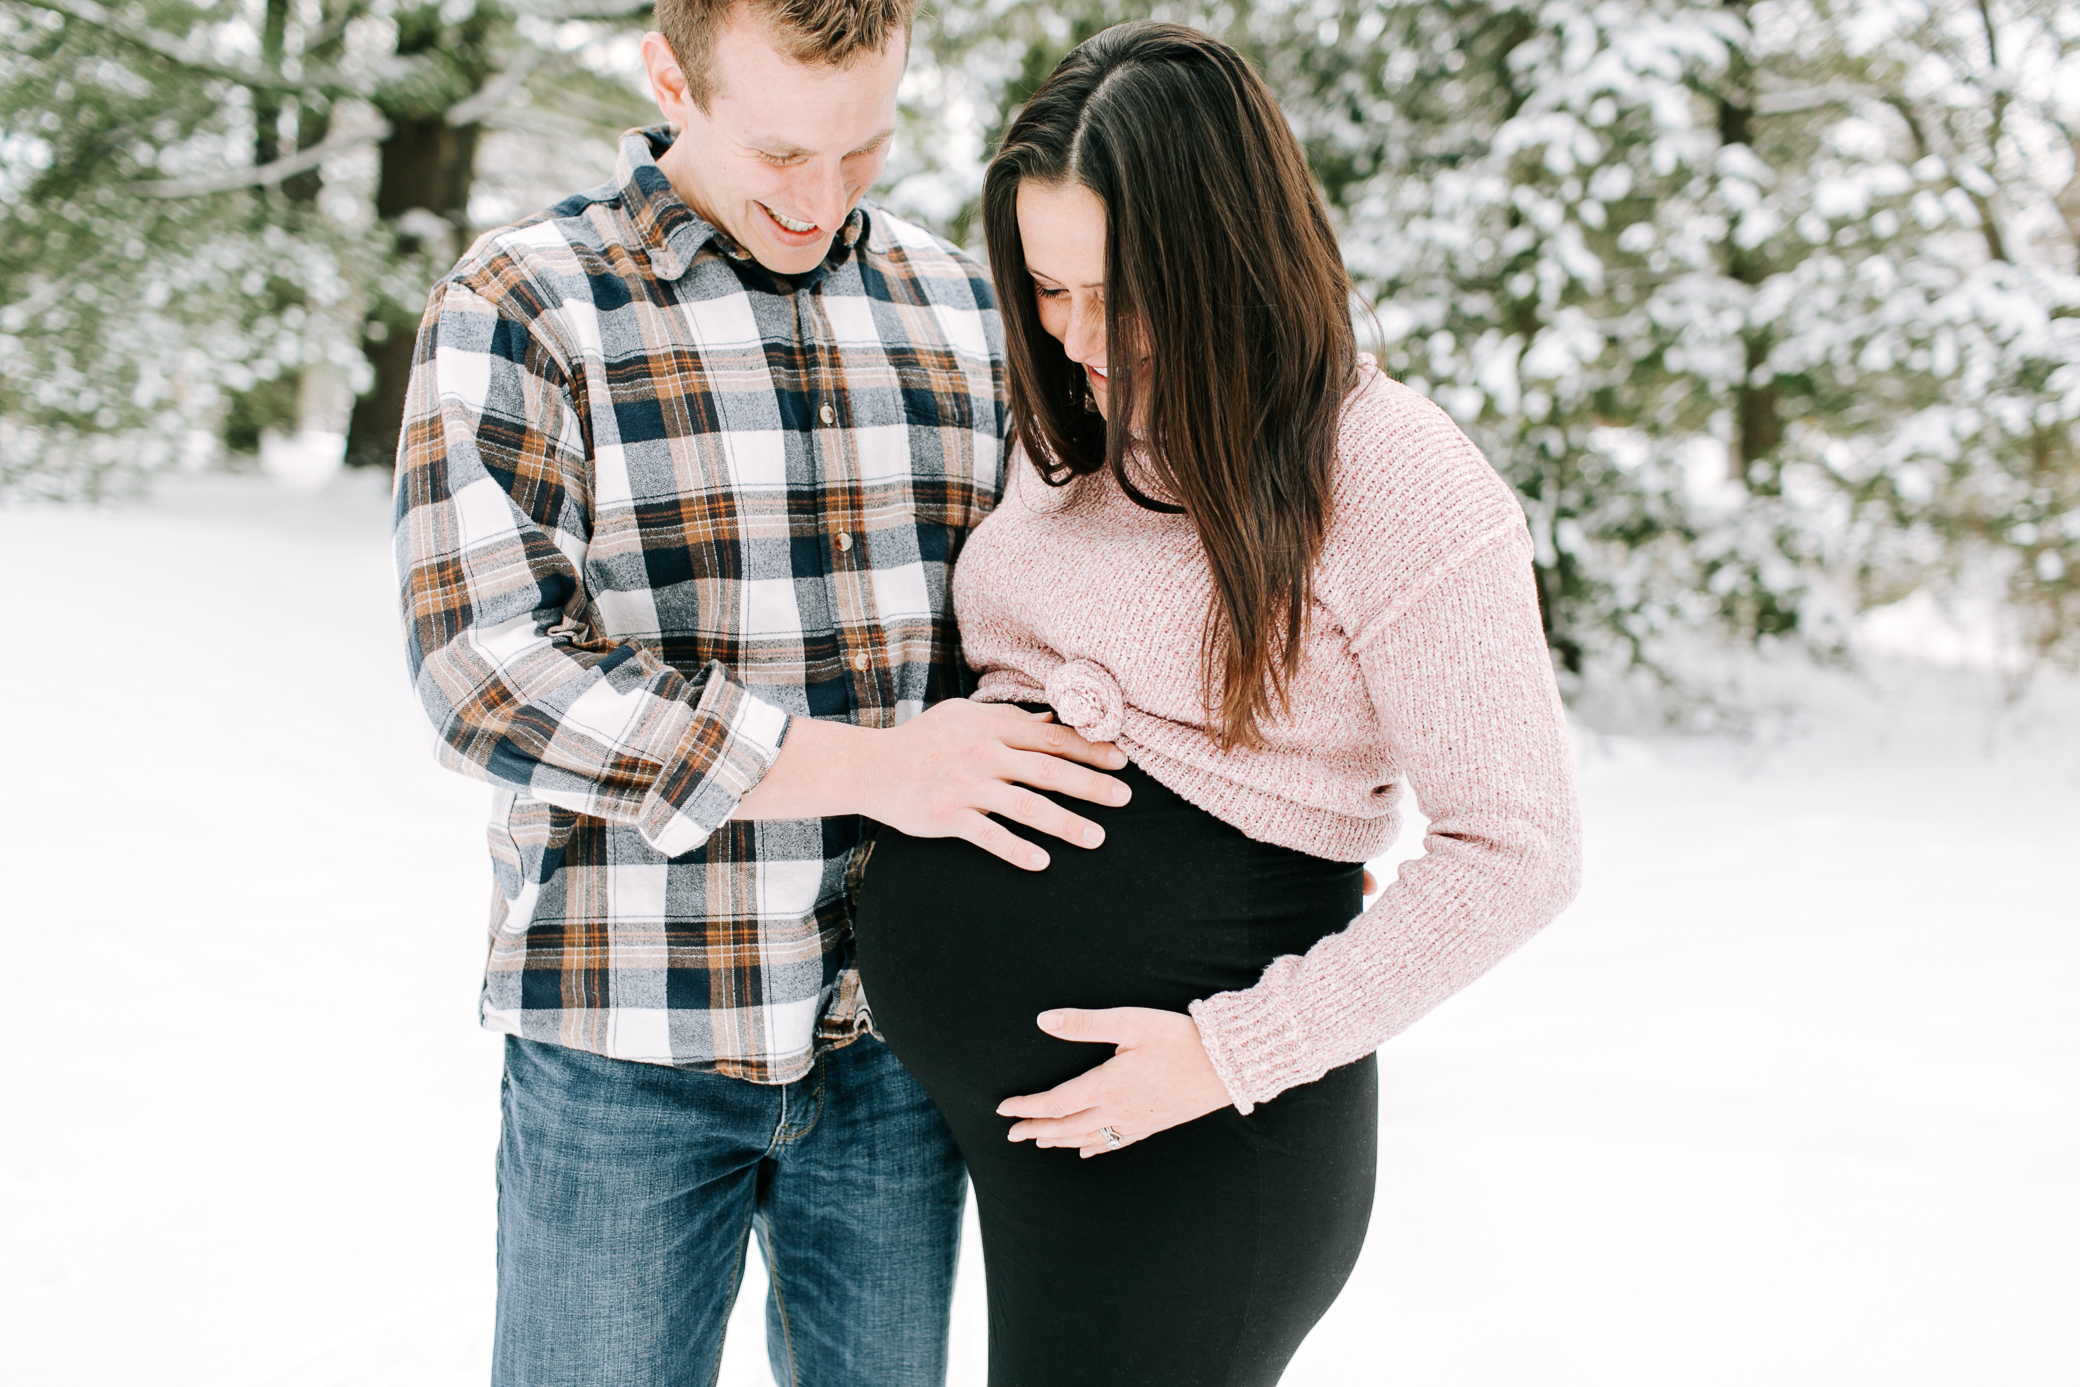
point(674, 165)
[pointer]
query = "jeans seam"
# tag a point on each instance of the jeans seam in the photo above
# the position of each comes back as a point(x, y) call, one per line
point(780, 1138)
point(794, 1375)
point(783, 1137)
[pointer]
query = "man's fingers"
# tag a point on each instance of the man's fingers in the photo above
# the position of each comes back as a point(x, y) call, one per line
point(998, 841)
point(1043, 734)
point(1034, 810)
point(1056, 773)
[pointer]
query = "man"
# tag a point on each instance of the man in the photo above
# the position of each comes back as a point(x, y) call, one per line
point(686, 464)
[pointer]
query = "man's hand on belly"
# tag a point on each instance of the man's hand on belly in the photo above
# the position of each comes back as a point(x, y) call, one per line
point(942, 774)
point(1158, 1077)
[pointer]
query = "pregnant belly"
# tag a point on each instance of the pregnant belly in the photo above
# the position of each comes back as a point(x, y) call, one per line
point(959, 952)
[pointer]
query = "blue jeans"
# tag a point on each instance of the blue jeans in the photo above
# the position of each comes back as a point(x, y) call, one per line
point(627, 1193)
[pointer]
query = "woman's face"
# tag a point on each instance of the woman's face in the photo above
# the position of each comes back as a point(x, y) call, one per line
point(1063, 232)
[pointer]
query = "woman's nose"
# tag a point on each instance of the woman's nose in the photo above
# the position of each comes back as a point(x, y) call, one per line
point(1086, 336)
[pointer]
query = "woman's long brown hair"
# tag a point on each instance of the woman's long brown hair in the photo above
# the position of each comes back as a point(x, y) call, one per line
point(1223, 274)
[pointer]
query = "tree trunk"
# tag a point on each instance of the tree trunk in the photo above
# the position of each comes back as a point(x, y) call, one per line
point(2069, 203)
point(427, 165)
point(267, 105)
point(1758, 423)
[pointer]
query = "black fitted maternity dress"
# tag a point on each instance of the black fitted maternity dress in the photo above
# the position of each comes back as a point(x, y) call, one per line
point(1201, 1255)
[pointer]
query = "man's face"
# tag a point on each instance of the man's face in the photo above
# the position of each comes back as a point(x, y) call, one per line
point(783, 152)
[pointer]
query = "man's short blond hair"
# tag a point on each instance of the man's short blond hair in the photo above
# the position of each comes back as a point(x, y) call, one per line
point(823, 33)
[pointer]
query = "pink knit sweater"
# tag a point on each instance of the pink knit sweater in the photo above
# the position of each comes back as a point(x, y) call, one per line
point(1423, 661)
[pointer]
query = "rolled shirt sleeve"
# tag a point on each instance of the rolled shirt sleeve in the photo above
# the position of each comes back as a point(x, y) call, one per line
point(508, 656)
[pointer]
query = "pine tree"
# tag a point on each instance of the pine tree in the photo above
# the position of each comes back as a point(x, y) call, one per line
point(193, 232)
point(1768, 309)
point(1722, 289)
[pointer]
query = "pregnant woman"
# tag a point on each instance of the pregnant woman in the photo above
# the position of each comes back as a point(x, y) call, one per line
point(1285, 586)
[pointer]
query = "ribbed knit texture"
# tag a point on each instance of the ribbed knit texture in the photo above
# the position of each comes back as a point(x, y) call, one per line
point(1423, 661)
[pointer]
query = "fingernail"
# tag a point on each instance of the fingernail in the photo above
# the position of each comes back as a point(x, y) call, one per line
point(1093, 836)
point(1037, 860)
point(1120, 793)
point(1050, 1018)
point(1119, 760)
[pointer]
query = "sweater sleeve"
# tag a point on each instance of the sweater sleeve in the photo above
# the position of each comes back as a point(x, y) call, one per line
point(1468, 707)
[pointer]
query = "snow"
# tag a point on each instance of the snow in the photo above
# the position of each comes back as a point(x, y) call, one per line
point(1791, 1095)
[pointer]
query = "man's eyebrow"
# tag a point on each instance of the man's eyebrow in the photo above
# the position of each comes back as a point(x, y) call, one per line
point(781, 149)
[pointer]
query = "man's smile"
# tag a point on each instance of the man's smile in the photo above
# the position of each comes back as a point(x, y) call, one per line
point(789, 225)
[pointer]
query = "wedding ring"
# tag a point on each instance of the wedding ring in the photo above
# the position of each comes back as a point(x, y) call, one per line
point(1111, 1138)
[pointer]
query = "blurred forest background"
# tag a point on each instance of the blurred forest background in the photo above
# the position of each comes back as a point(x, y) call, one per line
point(1769, 309)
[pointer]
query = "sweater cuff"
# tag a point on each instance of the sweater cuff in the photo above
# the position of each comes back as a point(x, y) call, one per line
point(1256, 1041)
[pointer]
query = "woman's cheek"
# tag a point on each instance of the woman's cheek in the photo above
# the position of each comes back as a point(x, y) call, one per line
point(1054, 319)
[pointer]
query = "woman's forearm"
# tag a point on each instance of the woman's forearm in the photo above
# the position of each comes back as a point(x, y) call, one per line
point(1467, 701)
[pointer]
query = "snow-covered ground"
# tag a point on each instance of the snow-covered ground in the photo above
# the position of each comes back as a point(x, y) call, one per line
point(1790, 1096)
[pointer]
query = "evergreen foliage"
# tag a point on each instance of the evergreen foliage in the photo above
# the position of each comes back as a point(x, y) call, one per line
point(1741, 298)
point(210, 209)
point(1768, 308)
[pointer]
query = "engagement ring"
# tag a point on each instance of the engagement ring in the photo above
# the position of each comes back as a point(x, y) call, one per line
point(1111, 1138)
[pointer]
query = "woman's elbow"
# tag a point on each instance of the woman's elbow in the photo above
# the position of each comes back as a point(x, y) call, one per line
point(1556, 866)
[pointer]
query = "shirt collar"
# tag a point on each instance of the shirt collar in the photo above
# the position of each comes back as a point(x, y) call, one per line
point(674, 233)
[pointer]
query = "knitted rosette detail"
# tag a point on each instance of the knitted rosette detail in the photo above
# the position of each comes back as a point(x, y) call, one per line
point(1085, 696)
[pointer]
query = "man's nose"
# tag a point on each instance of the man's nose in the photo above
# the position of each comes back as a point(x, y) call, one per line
point(821, 192)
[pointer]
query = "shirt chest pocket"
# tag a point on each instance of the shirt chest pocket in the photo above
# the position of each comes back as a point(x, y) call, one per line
point(919, 442)
point(937, 397)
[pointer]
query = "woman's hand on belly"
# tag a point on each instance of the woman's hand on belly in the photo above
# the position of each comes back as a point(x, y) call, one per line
point(1158, 1077)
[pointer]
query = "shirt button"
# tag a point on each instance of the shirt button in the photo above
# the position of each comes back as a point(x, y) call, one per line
point(859, 662)
point(826, 413)
point(844, 540)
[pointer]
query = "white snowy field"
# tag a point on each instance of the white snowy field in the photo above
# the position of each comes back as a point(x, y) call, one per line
point(1790, 1096)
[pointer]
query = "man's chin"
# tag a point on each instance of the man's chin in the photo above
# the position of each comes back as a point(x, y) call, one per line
point(790, 260)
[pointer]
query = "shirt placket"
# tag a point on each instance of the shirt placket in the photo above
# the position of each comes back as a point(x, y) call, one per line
point(849, 583)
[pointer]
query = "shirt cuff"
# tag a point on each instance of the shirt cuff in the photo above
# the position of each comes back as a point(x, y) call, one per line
point(731, 741)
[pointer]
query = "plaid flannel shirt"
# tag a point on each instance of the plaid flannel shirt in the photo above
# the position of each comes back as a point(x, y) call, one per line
point(653, 502)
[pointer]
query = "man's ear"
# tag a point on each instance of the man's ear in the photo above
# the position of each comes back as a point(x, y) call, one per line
point(667, 82)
